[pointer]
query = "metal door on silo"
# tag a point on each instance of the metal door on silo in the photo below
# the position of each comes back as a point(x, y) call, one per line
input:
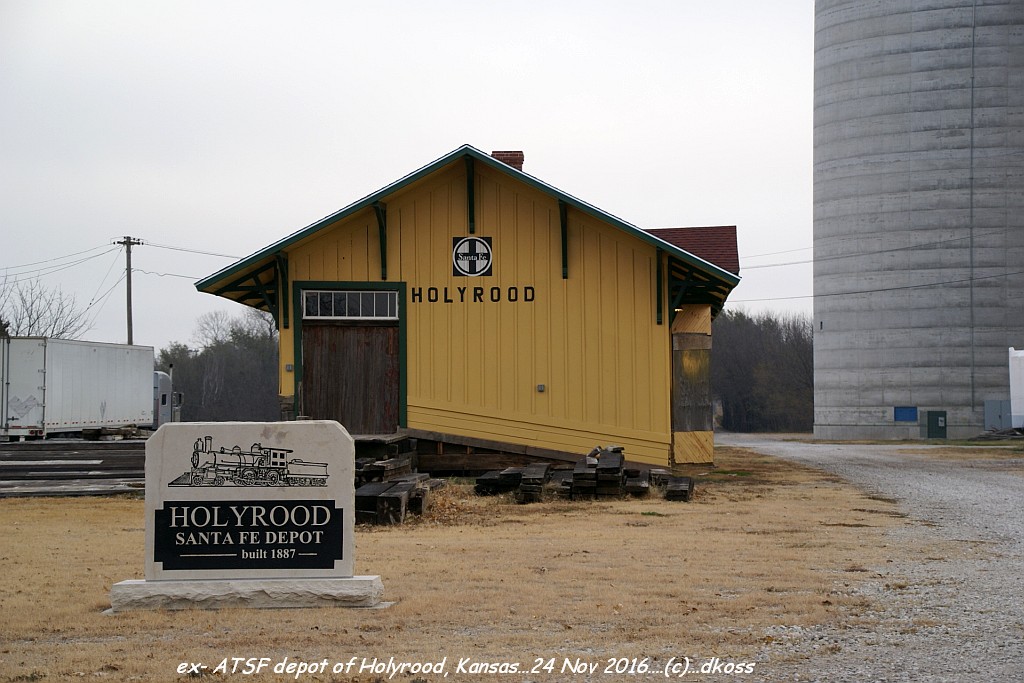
point(997, 414)
point(936, 424)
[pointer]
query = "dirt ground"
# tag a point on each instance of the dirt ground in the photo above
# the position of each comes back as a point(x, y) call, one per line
point(480, 585)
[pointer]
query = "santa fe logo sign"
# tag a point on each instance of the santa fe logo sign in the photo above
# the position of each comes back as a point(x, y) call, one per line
point(471, 256)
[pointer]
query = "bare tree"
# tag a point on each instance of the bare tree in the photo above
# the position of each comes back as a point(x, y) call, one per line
point(30, 309)
point(233, 375)
point(762, 371)
point(256, 324)
point(5, 296)
point(212, 328)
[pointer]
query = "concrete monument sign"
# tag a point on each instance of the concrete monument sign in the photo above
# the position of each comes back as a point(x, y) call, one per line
point(249, 514)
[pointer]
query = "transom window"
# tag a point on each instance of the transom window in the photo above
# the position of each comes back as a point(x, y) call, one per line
point(350, 305)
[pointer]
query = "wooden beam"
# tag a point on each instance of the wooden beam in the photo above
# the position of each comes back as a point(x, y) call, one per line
point(254, 275)
point(490, 445)
point(563, 219)
point(471, 194)
point(282, 289)
point(269, 298)
point(660, 285)
point(677, 298)
point(381, 210)
point(471, 462)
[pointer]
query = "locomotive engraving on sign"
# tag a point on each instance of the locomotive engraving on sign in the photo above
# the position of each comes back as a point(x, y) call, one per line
point(257, 466)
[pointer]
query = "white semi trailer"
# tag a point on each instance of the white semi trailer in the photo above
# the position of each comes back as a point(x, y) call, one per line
point(52, 386)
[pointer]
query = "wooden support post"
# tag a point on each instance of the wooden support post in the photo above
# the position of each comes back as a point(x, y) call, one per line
point(692, 409)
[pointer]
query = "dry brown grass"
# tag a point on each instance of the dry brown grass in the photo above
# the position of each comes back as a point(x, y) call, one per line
point(764, 543)
point(994, 452)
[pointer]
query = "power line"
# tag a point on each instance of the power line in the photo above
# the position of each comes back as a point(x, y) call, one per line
point(881, 289)
point(105, 276)
point(106, 294)
point(58, 258)
point(788, 263)
point(50, 270)
point(776, 253)
point(150, 272)
point(191, 251)
point(819, 259)
point(102, 301)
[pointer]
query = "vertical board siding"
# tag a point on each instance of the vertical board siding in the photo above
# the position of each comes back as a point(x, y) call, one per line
point(473, 368)
point(648, 363)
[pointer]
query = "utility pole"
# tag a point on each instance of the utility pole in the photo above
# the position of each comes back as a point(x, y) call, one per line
point(128, 243)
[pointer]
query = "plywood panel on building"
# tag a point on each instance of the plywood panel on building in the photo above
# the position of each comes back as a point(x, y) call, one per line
point(693, 447)
point(692, 319)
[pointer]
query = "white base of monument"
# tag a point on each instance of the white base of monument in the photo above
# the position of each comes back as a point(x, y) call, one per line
point(355, 591)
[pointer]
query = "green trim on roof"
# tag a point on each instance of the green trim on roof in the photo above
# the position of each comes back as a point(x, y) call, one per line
point(466, 151)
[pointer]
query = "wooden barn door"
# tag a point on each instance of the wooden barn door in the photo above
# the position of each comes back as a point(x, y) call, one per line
point(351, 374)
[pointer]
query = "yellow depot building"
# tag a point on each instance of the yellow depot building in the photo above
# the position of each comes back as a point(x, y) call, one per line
point(471, 303)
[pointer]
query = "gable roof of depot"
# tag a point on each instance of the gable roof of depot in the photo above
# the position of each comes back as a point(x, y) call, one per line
point(260, 267)
point(715, 244)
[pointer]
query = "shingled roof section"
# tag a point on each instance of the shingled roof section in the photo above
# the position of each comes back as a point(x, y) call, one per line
point(715, 244)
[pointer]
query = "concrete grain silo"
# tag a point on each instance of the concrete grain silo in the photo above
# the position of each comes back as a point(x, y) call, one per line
point(918, 215)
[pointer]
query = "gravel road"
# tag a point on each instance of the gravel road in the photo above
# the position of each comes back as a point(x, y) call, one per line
point(957, 619)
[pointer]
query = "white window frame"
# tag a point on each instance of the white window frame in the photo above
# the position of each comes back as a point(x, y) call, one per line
point(377, 297)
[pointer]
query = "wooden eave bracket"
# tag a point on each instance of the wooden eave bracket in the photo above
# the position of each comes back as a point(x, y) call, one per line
point(563, 220)
point(281, 261)
point(471, 194)
point(660, 285)
point(250, 287)
point(380, 209)
point(687, 284)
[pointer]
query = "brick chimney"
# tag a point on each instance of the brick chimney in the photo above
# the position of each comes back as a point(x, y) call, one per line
point(513, 159)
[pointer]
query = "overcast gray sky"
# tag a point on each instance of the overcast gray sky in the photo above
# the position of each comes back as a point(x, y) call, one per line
point(223, 126)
